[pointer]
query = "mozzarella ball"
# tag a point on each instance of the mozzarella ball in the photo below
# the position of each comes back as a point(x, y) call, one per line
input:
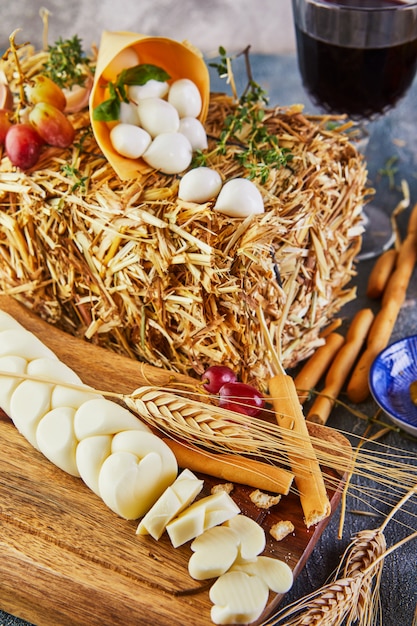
point(185, 97)
point(199, 185)
point(170, 153)
point(122, 61)
point(129, 140)
point(152, 89)
point(158, 116)
point(239, 197)
point(195, 132)
point(129, 113)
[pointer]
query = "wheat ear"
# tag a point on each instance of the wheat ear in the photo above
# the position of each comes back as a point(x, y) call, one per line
point(354, 598)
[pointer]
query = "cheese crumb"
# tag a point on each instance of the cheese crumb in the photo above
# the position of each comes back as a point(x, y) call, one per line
point(281, 529)
point(263, 500)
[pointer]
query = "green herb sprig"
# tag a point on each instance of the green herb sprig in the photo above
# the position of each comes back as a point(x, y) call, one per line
point(259, 150)
point(109, 109)
point(67, 63)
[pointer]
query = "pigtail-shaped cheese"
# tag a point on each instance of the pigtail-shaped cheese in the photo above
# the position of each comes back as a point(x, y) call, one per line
point(77, 429)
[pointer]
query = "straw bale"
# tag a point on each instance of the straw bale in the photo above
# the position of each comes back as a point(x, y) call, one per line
point(129, 266)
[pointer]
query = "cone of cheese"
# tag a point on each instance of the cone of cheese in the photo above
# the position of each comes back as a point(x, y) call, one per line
point(121, 51)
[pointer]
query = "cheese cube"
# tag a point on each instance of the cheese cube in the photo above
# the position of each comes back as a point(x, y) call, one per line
point(203, 514)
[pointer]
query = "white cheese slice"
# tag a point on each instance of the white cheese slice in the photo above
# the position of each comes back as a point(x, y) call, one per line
point(7, 322)
point(214, 553)
point(238, 598)
point(56, 439)
point(21, 342)
point(90, 456)
point(28, 404)
point(175, 499)
point(66, 396)
point(130, 486)
point(275, 573)
point(251, 536)
point(52, 369)
point(139, 469)
point(100, 416)
point(16, 365)
point(201, 515)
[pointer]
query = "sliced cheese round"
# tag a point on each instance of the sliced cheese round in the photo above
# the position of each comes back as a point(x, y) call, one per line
point(67, 396)
point(52, 369)
point(128, 485)
point(100, 416)
point(250, 535)
point(20, 342)
point(16, 365)
point(7, 322)
point(56, 439)
point(28, 404)
point(275, 573)
point(90, 456)
point(214, 553)
point(238, 598)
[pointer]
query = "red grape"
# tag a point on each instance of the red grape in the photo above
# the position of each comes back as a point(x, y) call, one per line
point(241, 398)
point(52, 125)
point(216, 376)
point(23, 145)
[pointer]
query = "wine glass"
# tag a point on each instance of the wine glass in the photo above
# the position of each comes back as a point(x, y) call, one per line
point(358, 57)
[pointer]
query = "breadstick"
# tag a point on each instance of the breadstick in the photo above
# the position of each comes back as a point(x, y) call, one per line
point(380, 273)
point(341, 366)
point(317, 365)
point(308, 476)
point(330, 328)
point(232, 468)
point(392, 300)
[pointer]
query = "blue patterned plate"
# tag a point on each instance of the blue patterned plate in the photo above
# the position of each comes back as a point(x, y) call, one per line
point(391, 375)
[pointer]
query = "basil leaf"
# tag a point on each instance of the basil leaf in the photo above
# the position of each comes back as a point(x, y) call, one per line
point(107, 111)
point(141, 74)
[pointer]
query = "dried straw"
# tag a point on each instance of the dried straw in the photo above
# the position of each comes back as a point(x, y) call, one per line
point(129, 266)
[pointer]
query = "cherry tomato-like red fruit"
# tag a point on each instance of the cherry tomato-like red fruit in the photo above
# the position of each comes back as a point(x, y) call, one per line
point(241, 398)
point(216, 376)
point(23, 145)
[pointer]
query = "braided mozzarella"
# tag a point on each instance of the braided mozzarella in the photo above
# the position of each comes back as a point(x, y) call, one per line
point(80, 431)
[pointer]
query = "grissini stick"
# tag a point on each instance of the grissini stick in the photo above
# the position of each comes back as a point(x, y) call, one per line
point(380, 273)
point(232, 467)
point(316, 366)
point(392, 300)
point(308, 479)
point(341, 366)
point(303, 460)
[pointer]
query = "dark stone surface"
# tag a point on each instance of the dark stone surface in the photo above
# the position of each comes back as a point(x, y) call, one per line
point(393, 136)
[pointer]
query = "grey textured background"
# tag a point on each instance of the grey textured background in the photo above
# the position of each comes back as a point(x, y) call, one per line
point(265, 24)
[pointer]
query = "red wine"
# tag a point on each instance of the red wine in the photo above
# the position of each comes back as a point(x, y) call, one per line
point(359, 81)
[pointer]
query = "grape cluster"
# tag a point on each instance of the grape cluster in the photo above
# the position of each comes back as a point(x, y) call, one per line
point(233, 395)
point(42, 121)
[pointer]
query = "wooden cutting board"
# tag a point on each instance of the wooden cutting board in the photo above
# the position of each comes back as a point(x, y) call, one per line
point(67, 560)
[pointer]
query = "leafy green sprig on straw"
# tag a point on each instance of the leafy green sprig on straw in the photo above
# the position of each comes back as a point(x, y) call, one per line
point(67, 64)
point(259, 149)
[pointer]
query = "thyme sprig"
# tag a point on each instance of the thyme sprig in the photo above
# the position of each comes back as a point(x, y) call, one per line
point(67, 65)
point(257, 150)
